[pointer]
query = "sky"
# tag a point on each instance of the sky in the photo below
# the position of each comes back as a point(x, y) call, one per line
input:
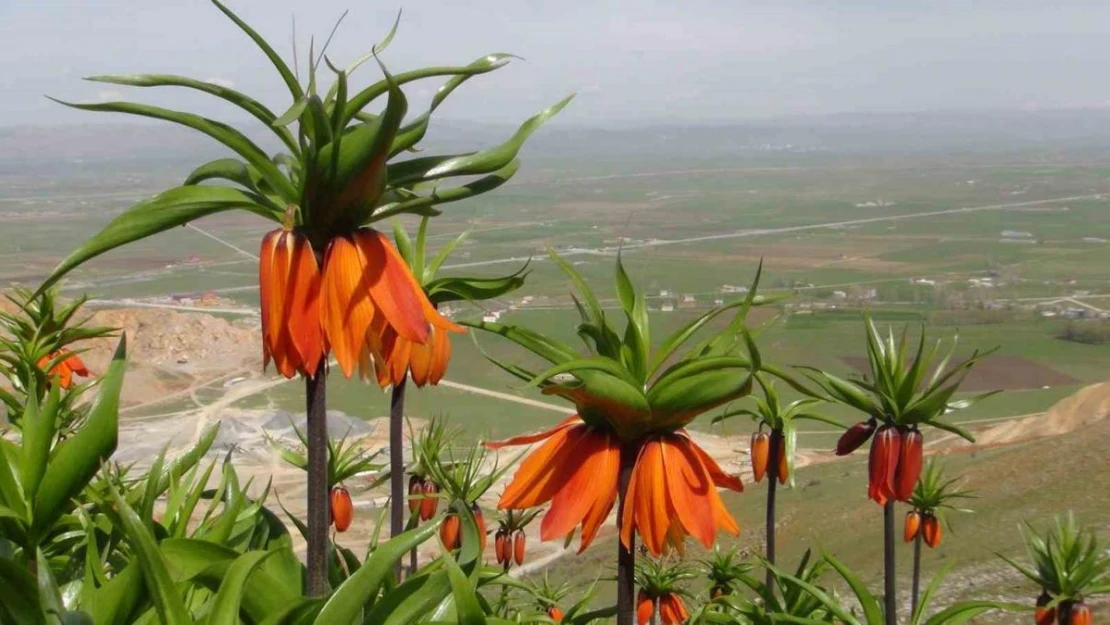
point(629, 61)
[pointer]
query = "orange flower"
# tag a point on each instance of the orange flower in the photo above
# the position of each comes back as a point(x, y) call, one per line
point(66, 369)
point(672, 610)
point(364, 305)
point(425, 363)
point(367, 290)
point(645, 607)
point(289, 288)
point(576, 469)
point(673, 493)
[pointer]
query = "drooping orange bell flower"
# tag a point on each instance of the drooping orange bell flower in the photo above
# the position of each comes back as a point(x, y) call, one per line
point(883, 464)
point(910, 461)
point(673, 493)
point(426, 363)
point(367, 288)
point(289, 288)
point(633, 405)
point(672, 610)
point(361, 305)
point(65, 369)
point(576, 469)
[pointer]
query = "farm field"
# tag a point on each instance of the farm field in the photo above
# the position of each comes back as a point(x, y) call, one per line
point(996, 249)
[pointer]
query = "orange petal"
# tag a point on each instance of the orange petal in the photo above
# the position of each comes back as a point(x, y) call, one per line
point(651, 517)
point(687, 489)
point(581, 482)
point(528, 439)
point(399, 360)
point(645, 607)
point(77, 366)
point(540, 475)
point(347, 310)
point(420, 359)
point(266, 289)
point(718, 475)
point(302, 304)
point(606, 494)
point(441, 355)
point(395, 292)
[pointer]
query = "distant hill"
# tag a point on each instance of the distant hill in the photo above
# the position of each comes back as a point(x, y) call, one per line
point(40, 148)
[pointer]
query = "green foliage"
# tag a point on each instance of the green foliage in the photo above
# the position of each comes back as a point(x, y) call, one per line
point(1066, 561)
point(771, 412)
point(443, 289)
point(337, 169)
point(620, 383)
point(871, 608)
point(899, 389)
point(935, 495)
point(346, 459)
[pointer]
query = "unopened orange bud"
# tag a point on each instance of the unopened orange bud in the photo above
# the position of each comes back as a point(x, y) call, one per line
point(518, 547)
point(449, 531)
point(761, 452)
point(1080, 614)
point(342, 510)
point(854, 437)
point(1044, 615)
point(783, 466)
point(416, 489)
point(555, 614)
point(429, 504)
point(913, 525)
point(931, 531)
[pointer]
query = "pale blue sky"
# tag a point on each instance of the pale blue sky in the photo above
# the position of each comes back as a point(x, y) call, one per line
point(631, 60)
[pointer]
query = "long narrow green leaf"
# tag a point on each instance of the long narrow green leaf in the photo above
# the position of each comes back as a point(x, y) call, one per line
point(225, 605)
point(160, 587)
point(492, 159)
point(360, 100)
point(76, 460)
point(255, 108)
point(868, 602)
point(164, 211)
point(39, 427)
point(348, 600)
point(422, 205)
point(228, 136)
point(283, 69)
point(21, 604)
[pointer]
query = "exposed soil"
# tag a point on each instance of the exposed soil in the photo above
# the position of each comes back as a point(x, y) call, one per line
point(997, 372)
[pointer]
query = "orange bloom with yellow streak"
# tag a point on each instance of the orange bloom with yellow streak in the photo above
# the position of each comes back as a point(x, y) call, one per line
point(672, 493)
point(66, 369)
point(358, 305)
